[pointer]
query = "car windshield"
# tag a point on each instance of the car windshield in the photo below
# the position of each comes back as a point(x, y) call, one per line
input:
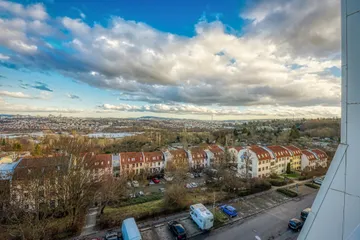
point(179, 229)
point(230, 208)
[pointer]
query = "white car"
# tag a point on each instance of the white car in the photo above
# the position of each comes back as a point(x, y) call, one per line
point(188, 185)
point(318, 181)
point(168, 178)
point(128, 184)
point(135, 183)
point(191, 175)
point(194, 185)
point(162, 190)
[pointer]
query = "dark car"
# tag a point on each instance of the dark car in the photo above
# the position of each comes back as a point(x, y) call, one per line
point(305, 213)
point(177, 229)
point(112, 236)
point(295, 224)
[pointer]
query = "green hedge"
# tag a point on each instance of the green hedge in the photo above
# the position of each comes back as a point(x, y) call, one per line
point(142, 199)
point(287, 192)
point(312, 185)
point(277, 182)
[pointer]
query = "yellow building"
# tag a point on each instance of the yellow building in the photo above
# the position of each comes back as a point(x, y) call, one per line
point(295, 159)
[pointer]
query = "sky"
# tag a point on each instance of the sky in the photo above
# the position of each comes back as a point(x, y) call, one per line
point(201, 59)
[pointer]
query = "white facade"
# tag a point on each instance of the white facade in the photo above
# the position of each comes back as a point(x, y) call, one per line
point(335, 213)
point(247, 163)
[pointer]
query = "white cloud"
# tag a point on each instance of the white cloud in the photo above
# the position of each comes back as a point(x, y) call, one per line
point(282, 59)
point(14, 94)
point(259, 111)
point(34, 11)
point(4, 57)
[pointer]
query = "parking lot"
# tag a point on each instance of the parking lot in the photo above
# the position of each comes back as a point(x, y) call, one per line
point(245, 207)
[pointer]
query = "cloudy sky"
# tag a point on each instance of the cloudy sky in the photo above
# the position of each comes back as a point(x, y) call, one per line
point(189, 59)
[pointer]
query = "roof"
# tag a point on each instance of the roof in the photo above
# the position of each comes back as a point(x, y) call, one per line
point(99, 161)
point(178, 153)
point(7, 170)
point(131, 157)
point(153, 156)
point(197, 151)
point(319, 153)
point(260, 152)
point(34, 167)
point(202, 210)
point(294, 150)
point(311, 156)
point(131, 228)
point(215, 149)
point(279, 151)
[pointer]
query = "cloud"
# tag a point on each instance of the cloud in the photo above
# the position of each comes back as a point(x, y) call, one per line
point(18, 108)
point(72, 96)
point(38, 85)
point(43, 95)
point(2, 76)
point(260, 111)
point(33, 11)
point(282, 58)
point(3, 57)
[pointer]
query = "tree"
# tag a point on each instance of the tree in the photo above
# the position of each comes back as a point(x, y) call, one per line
point(288, 170)
point(294, 133)
point(37, 150)
point(17, 146)
point(3, 143)
point(175, 196)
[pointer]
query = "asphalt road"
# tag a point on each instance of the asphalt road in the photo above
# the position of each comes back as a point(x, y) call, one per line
point(269, 225)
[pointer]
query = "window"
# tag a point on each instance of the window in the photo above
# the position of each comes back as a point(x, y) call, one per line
point(158, 163)
point(259, 169)
point(154, 158)
point(133, 159)
point(140, 164)
point(108, 162)
point(137, 165)
point(102, 163)
point(133, 165)
point(263, 168)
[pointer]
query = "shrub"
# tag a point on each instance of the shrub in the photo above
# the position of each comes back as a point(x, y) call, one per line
point(287, 192)
point(175, 196)
point(312, 185)
point(142, 199)
point(277, 182)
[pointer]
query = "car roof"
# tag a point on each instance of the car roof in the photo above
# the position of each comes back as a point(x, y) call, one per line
point(295, 220)
point(307, 210)
point(230, 207)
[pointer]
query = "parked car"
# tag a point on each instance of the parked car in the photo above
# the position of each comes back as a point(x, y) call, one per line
point(132, 195)
point(128, 184)
point(318, 181)
point(229, 210)
point(188, 185)
point(155, 180)
point(162, 190)
point(305, 213)
point(201, 216)
point(193, 185)
point(196, 175)
point(177, 229)
point(135, 183)
point(129, 230)
point(112, 236)
point(190, 175)
point(295, 224)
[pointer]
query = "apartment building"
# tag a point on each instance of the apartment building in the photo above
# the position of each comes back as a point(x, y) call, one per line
point(99, 165)
point(234, 152)
point(281, 156)
point(254, 161)
point(178, 157)
point(321, 156)
point(295, 158)
point(131, 163)
point(308, 159)
point(154, 161)
point(197, 158)
point(214, 155)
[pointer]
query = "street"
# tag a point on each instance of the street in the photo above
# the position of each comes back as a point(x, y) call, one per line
point(271, 224)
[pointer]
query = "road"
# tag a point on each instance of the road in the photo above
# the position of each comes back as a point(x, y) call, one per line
point(271, 224)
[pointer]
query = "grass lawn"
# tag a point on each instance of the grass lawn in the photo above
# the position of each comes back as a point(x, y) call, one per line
point(291, 175)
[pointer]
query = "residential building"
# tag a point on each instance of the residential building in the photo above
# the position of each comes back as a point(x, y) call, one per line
point(214, 155)
point(131, 163)
point(178, 157)
point(99, 165)
point(295, 158)
point(255, 161)
point(154, 161)
point(282, 158)
point(321, 156)
point(308, 159)
point(197, 158)
point(234, 152)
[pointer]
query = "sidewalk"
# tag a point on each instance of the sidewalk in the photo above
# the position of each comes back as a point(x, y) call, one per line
point(90, 222)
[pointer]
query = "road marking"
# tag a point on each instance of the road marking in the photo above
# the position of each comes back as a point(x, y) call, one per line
point(257, 237)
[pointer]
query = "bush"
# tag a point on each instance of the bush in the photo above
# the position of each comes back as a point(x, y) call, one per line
point(143, 199)
point(302, 178)
point(312, 185)
point(277, 182)
point(287, 192)
point(175, 196)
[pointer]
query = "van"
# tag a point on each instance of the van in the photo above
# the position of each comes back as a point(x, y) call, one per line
point(129, 230)
point(201, 216)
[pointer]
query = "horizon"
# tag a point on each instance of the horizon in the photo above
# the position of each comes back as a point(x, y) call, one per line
point(235, 61)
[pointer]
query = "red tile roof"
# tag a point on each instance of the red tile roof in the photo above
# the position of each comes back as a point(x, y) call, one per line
point(321, 154)
point(99, 161)
point(153, 156)
point(215, 149)
point(131, 157)
point(279, 151)
point(309, 155)
point(178, 153)
point(198, 153)
point(260, 152)
point(295, 150)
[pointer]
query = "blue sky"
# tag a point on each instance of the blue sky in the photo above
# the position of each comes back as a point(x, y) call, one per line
point(230, 59)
